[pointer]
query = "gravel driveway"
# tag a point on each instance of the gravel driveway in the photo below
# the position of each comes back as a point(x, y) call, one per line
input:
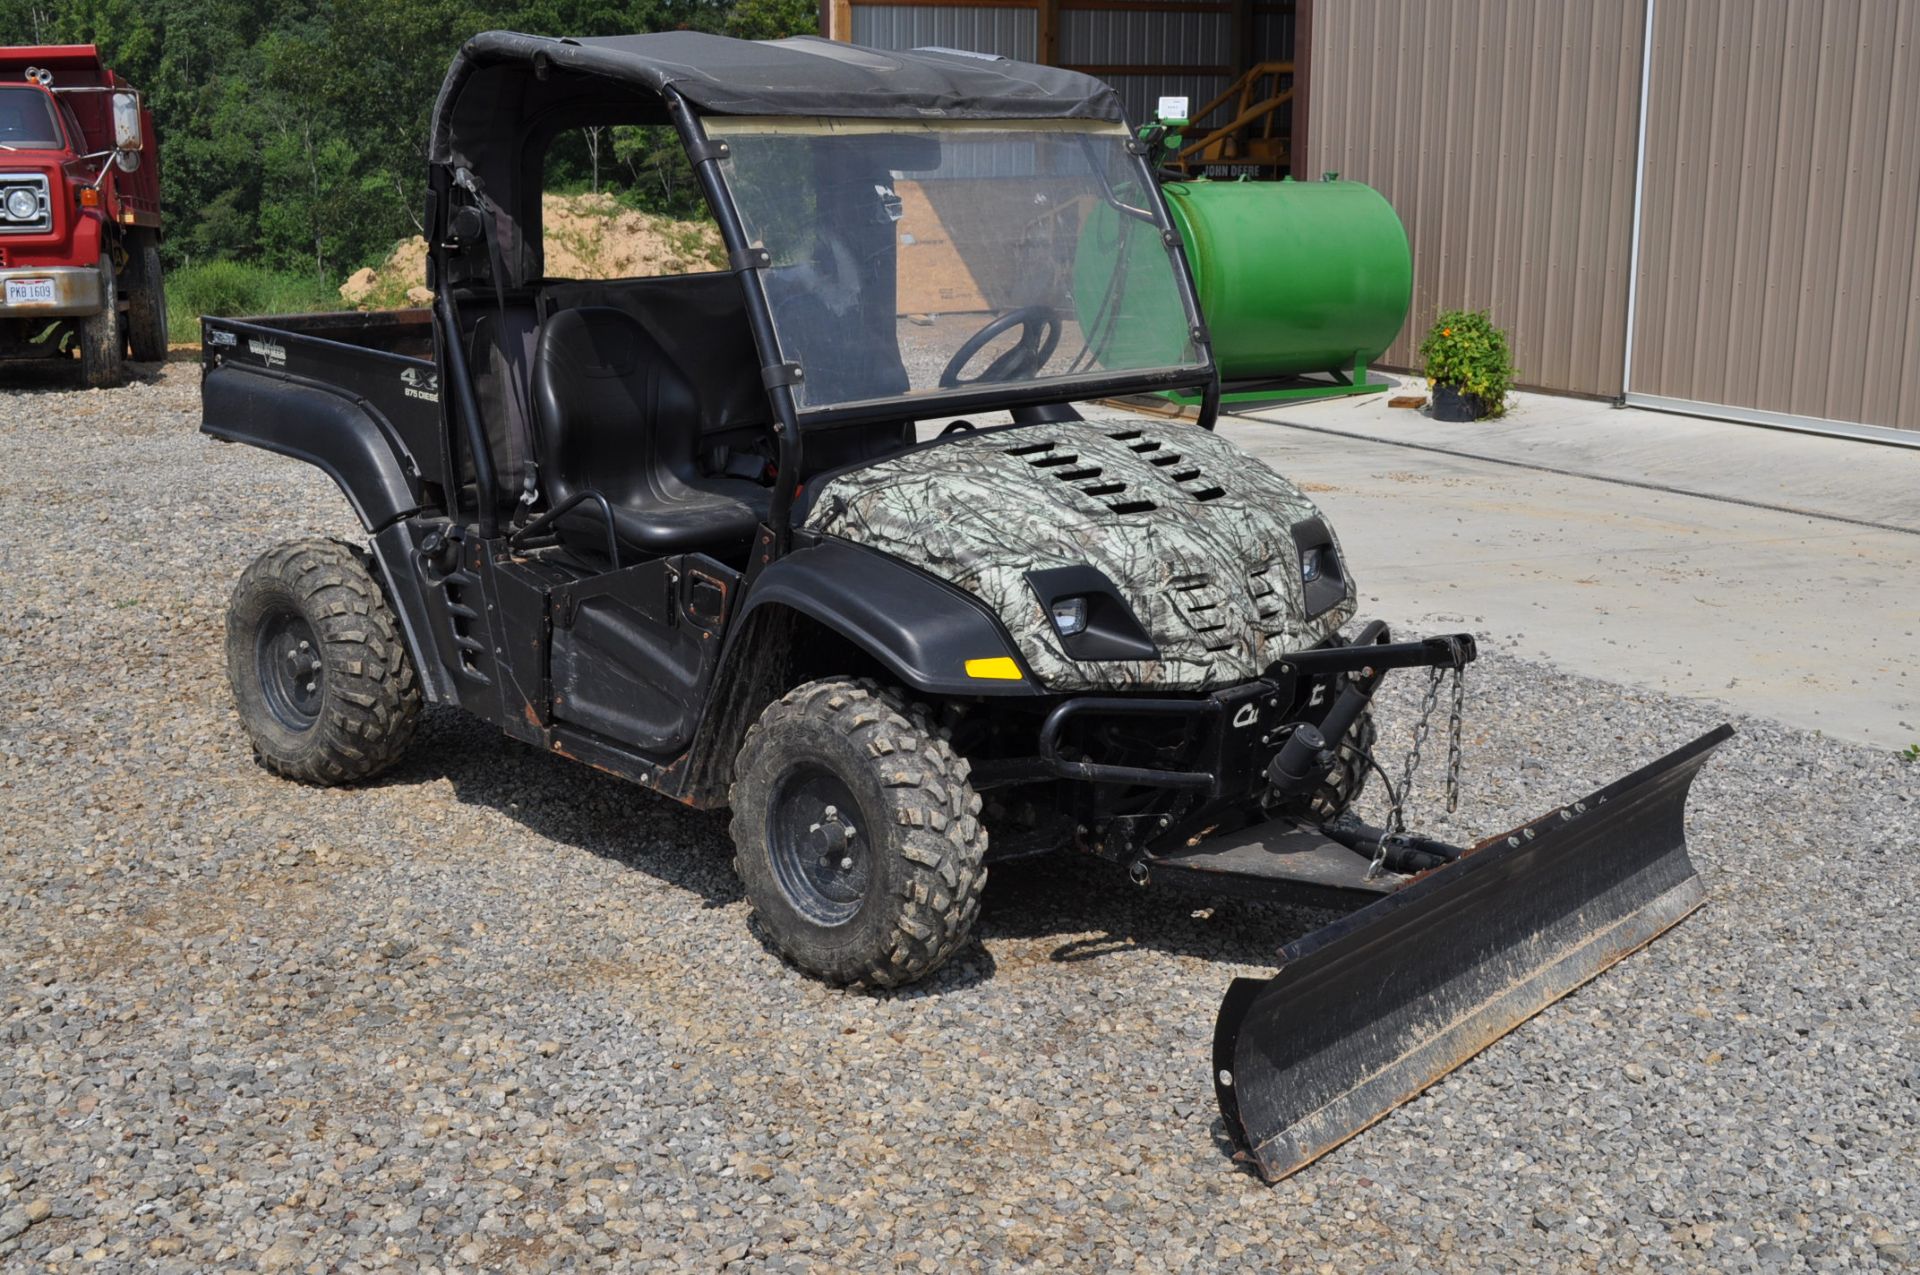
point(502, 1012)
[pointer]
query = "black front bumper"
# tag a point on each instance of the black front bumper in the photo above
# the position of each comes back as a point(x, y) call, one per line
point(1241, 728)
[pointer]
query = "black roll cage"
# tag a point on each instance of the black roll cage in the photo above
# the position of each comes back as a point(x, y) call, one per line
point(778, 374)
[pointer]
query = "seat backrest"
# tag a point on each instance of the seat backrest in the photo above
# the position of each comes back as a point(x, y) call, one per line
point(700, 320)
point(610, 409)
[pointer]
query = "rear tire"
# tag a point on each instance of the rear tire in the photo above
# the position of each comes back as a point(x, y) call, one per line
point(146, 301)
point(857, 834)
point(321, 677)
point(102, 360)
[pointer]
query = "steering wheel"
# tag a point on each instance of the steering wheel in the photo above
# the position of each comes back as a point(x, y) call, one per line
point(1039, 334)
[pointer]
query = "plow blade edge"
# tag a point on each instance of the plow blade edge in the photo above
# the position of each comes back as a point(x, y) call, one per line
point(1370, 1010)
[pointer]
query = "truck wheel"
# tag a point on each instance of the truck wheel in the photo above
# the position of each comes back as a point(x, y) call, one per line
point(1348, 778)
point(858, 835)
point(146, 302)
point(320, 675)
point(102, 365)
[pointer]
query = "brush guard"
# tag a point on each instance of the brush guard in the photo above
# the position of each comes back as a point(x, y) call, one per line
point(1367, 1012)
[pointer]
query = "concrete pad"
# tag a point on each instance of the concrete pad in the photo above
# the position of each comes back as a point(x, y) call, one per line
point(1798, 618)
point(1833, 477)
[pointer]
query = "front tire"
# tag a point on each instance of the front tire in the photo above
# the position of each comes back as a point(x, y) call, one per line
point(102, 348)
point(858, 837)
point(321, 678)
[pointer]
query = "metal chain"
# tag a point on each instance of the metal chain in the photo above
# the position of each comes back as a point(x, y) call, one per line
point(1456, 713)
point(1396, 817)
point(1454, 719)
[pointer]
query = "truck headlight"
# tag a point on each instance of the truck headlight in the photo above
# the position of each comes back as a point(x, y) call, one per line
point(1310, 564)
point(22, 204)
point(1069, 615)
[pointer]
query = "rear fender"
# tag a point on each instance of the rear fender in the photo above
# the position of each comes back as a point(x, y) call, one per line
point(341, 434)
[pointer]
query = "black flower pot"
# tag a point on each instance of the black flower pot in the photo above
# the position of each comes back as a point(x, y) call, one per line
point(1452, 404)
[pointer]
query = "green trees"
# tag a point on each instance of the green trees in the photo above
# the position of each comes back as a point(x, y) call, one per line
point(293, 132)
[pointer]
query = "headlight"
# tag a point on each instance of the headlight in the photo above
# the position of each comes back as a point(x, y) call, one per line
point(1323, 581)
point(22, 204)
point(1091, 619)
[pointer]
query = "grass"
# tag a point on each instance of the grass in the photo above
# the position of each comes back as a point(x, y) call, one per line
point(229, 288)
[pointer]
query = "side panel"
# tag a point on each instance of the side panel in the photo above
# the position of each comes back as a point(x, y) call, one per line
point(923, 630)
point(340, 434)
point(381, 359)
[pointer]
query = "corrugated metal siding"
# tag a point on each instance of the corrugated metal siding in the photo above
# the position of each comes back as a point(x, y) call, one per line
point(1141, 93)
point(1272, 36)
point(1009, 32)
point(1778, 267)
point(1156, 37)
point(1151, 33)
point(1503, 133)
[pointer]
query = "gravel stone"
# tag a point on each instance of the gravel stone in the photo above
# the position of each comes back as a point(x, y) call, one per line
point(498, 1011)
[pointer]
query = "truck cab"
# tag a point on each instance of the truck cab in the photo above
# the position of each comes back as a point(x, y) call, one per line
point(79, 214)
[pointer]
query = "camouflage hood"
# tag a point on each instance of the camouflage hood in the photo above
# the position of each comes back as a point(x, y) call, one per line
point(1195, 534)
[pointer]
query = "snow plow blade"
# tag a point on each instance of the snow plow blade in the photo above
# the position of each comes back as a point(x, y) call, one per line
point(1367, 1012)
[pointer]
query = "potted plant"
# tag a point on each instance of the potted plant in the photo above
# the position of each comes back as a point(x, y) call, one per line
point(1468, 366)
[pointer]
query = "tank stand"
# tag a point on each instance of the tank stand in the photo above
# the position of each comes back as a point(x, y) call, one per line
point(1293, 389)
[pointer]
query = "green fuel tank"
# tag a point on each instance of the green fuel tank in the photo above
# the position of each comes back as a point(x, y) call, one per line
point(1293, 277)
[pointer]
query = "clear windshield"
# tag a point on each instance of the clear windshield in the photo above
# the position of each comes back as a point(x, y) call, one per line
point(26, 120)
point(911, 258)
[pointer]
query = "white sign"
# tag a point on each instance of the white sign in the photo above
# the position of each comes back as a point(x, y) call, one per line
point(1171, 108)
point(29, 292)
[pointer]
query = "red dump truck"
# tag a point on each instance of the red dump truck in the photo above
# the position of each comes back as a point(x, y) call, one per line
point(79, 214)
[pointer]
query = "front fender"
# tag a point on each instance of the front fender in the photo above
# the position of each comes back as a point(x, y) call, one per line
point(923, 630)
point(339, 434)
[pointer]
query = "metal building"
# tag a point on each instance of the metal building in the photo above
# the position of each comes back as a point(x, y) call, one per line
point(1231, 59)
point(1709, 206)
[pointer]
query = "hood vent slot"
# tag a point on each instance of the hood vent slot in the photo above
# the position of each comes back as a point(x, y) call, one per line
point(1267, 602)
point(1084, 477)
point(1187, 476)
point(1205, 608)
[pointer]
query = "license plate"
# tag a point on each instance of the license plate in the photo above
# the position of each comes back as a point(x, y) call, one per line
point(29, 292)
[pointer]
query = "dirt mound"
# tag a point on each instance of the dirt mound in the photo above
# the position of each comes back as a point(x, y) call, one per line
point(587, 237)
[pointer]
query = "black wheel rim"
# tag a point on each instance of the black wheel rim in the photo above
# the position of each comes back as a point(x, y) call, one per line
point(293, 676)
point(822, 856)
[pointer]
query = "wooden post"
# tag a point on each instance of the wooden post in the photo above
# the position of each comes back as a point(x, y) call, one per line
point(836, 20)
point(1047, 32)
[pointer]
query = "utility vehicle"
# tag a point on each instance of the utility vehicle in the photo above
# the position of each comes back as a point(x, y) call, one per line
point(737, 537)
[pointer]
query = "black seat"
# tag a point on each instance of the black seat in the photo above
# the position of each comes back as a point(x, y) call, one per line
point(614, 415)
